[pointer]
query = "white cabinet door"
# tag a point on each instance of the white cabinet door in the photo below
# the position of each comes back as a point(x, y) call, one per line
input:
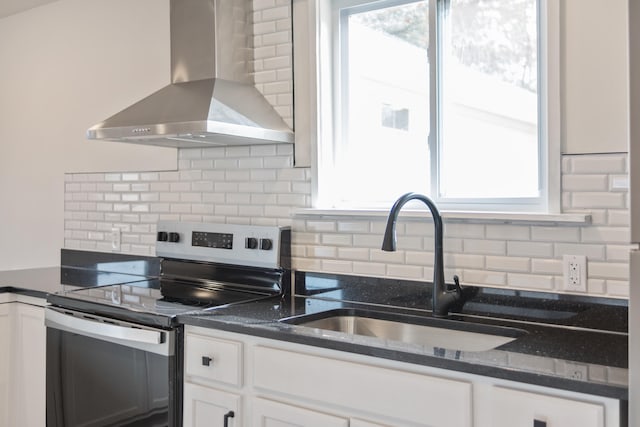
point(5, 347)
point(208, 407)
point(516, 408)
point(268, 413)
point(28, 381)
point(408, 397)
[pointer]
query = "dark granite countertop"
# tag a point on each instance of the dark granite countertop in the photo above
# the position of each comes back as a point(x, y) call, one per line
point(79, 269)
point(571, 342)
point(39, 282)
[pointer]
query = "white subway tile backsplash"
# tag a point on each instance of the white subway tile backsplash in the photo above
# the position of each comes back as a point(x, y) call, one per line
point(530, 281)
point(488, 278)
point(396, 257)
point(275, 13)
point(617, 253)
point(263, 28)
point(373, 241)
point(618, 218)
point(464, 230)
point(322, 252)
point(507, 232)
point(594, 286)
point(608, 270)
point(605, 234)
point(337, 266)
point(546, 266)
point(591, 251)
point(259, 185)
point(259, 5)
point(413, 258)
point(555, 234)
point(355, 254)
point(406, 271)
point(618, 288)
point(369, 269)
point(320, 226)
point(463, 261)
point(598, 200)
point(530, 249)
point(504, 263)
point(608, 163)
point(599, 182)
point(489, 247)
point(337, 239)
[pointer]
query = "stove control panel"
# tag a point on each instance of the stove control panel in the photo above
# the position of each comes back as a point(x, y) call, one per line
point(251, 245)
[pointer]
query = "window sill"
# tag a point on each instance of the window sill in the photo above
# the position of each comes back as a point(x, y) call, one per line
point(521, 218)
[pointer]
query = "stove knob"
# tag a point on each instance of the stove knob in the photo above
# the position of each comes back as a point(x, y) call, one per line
point(174, 237)
point(266, 244)
point(251, 243)
point(163, 236)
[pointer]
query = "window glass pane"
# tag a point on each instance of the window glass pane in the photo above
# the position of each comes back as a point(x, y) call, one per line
point(384, 151)
point(489, 137)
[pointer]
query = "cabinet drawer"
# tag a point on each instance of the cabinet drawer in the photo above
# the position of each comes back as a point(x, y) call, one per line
point(213, 359)
point(405, 396)
point(516, 408)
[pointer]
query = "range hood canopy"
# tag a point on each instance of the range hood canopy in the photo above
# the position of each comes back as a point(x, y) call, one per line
point(212, 99)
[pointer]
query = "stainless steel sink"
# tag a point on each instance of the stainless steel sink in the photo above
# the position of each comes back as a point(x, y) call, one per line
point(433, 332)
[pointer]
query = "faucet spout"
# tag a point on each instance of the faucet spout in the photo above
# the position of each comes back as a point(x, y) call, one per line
point(443, 298)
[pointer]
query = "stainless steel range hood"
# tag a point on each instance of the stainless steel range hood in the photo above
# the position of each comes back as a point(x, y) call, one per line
point(212, 99)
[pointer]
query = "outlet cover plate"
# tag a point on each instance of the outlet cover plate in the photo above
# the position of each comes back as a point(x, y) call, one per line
point(115, 239)
point(575, 273)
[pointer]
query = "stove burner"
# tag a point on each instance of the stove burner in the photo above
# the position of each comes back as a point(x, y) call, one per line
point(205, 294)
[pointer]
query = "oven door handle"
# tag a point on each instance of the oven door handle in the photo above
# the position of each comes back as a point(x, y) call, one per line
point(83, 326)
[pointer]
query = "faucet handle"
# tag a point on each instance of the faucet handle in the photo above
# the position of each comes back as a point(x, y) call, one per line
point(456, 281)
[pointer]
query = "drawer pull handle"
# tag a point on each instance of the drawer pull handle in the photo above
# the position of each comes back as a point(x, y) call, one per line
point(206, 361)
point(228, 415)
point(539, 423)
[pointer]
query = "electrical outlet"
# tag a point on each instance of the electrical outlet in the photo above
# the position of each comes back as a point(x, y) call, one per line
point(115, 239)
point(576, 371)
point(575, 273)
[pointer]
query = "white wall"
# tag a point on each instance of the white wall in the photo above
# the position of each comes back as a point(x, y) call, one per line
point(66, 66)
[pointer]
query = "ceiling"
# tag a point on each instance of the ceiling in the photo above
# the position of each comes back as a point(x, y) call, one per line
point(11, 7)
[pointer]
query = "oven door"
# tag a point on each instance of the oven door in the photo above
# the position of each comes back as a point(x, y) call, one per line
point(106, 372)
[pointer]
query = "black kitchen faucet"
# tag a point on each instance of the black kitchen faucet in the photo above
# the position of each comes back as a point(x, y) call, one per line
point(443, 298)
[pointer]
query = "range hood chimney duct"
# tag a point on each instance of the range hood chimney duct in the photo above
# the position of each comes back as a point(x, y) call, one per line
point(212, 99)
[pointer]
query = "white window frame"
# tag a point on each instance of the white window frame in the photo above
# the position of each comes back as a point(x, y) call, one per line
point(314, 112)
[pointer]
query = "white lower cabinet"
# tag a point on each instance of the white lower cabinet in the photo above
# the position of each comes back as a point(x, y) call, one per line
point(28, 391)
point(269, 383)
point(516, 408)
point(5, 353)
point(406, 397)
point(208, 407)
point(213, 381)
point(268, 413)
point(22, 365)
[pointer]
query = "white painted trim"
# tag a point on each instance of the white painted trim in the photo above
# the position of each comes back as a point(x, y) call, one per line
point(468, 217)
point(305, 100)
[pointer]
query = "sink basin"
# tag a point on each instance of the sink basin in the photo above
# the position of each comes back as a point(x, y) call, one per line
point(433, 332)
